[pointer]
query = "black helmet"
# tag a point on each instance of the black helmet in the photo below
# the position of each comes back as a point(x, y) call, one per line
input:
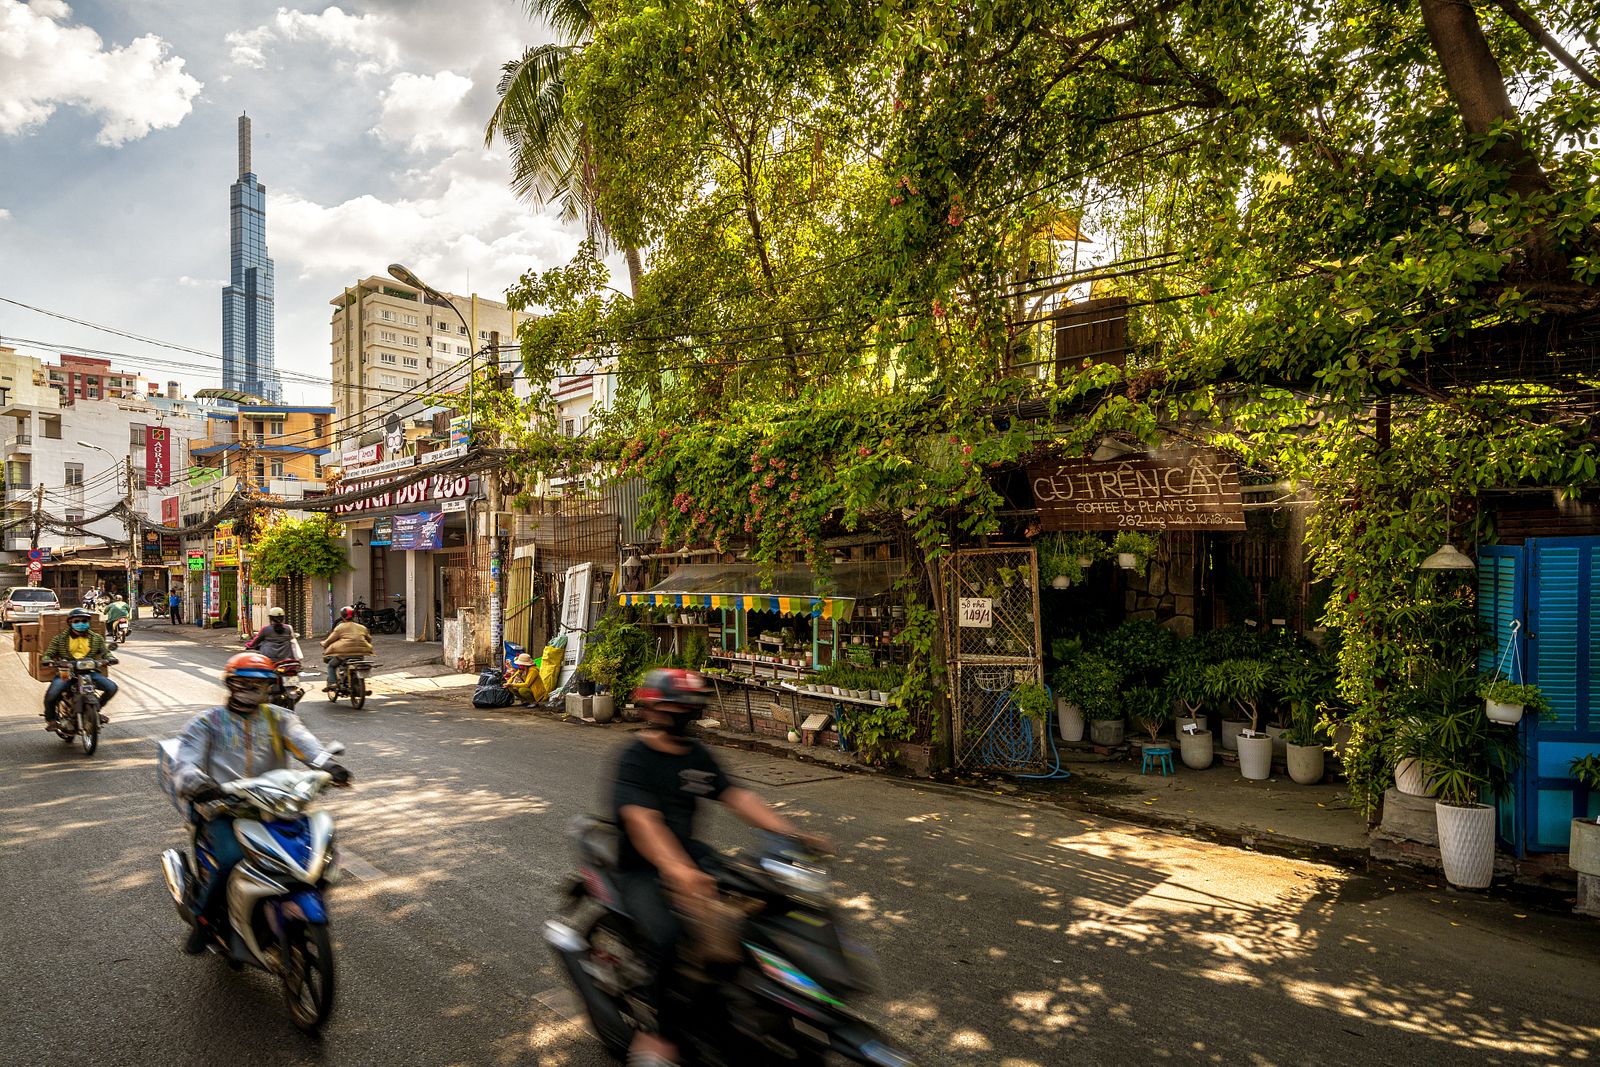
point(673, 690)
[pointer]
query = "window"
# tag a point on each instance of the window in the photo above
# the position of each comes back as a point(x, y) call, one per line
point(410, 320)
point(410, 361)
point(409, 342)
point(318, 426)
point(569, 427)
point(463, 330)
point(261, 469)
point(441, 344)
point(277, 468)
point(389, 379)
point(387, 336)
point(409, 382)
point(386, 315)
point(73, 474)
point(483, 335)
point(386, 357)
point(463, 350)
point(136, 436)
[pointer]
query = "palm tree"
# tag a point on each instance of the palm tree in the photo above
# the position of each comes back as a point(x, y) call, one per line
point(551, 161)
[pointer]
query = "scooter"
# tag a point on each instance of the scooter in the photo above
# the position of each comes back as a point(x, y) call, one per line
point(275, 896)
point(78, 710)
point(117, 634)
point(780, 999)
point(350, 680)
point(289, 691)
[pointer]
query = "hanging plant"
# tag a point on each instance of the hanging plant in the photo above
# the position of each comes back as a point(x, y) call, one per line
point(1064, 557)
point(1133, 550)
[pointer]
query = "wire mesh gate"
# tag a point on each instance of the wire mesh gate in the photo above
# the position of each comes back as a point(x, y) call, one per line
point(991, 622)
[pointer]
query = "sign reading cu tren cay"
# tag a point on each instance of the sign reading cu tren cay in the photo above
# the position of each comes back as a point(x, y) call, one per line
point(1177, 489)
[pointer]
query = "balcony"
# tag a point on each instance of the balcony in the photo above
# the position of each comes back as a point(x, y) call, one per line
point(18, 494)
point(19, 441)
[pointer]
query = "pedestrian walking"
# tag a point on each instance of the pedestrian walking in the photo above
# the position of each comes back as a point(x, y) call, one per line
point(175, 607)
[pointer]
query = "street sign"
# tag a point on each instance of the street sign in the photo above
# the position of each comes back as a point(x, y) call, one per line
point(453, 452)
point(449, 506)
point(42, 555)
point(35, 571)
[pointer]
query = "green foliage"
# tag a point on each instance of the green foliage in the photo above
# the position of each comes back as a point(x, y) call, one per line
point(1141, 546)
point(1531, 697)
point(1142, 650)
point(694, 650)
point(1061, 555)
point(617, 654)
point(1586, 769)
point(1093, 682)
point(1032, 700)
point(1443, 725)
point(289, 547)
point(1241, 684)
point(1149, 707)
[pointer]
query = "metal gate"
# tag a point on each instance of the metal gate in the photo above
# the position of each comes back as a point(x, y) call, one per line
point(992, 636)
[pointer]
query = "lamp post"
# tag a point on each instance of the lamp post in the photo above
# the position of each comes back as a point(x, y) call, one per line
point(124, 467)
point(400, 272)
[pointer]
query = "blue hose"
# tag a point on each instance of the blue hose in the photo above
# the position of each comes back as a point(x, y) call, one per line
point(1009, 743)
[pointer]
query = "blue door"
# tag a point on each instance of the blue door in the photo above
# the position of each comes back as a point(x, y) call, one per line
point(1552, 585)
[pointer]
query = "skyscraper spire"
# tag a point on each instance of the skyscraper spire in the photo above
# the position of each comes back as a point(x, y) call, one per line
point(248, 308)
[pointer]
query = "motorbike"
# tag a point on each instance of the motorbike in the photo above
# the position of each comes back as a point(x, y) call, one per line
point(117, 633)
point(276, 896)
point(289, 692)
point(78, 710)
point(383, 620)
point(783, 1000)
point(350, 680)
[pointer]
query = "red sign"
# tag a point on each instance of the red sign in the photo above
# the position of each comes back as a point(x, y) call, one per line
point(157, 457)
point(435, 487)
point(169, 510)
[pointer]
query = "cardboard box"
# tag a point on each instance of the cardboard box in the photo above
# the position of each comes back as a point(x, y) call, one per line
point(26, 636)
point(51, 624)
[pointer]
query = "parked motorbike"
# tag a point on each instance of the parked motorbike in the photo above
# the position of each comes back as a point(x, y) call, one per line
point(781, 1001)
point(350, 680)
point(383, 620)
point(289, 691)
point(78, 710)
point(276, 894)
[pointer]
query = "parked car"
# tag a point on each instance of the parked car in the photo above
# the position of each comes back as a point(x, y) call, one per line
point(24, 603)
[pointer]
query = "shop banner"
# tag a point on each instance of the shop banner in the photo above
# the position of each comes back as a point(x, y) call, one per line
point(169, 511)
point(171, 547)
point(365, 456)
point(225, 549)
point(382, 533)
point(460, 432)
point(1175, 489)
point(197, 559)
point(157, 457)
point(421, 532)
point(214, 596)
point(150, 548)
point(424, 491)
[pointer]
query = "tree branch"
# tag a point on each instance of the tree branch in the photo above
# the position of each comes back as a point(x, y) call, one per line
point(1518, 14)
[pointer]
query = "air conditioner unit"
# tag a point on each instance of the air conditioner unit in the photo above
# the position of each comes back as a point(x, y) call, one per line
point(494, 524)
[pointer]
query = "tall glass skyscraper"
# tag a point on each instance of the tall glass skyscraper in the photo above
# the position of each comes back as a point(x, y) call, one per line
point(247, 302)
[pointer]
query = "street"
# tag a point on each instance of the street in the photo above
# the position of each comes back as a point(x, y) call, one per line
point(1009, 934)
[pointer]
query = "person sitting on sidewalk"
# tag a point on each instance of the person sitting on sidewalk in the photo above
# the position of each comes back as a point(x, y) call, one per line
point(523, 679)
point(348, 639)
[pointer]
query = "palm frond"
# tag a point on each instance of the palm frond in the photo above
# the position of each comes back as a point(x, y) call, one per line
point(572, 19)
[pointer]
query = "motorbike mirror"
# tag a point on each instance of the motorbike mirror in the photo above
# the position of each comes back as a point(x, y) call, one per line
point(335, 748)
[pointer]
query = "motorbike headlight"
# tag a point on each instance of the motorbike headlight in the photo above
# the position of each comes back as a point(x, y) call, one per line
point(808, 882)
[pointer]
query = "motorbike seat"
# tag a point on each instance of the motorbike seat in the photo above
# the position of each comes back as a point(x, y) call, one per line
point(598, 839)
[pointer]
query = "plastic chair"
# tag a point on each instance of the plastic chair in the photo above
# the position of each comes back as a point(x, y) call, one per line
point(1160, 755)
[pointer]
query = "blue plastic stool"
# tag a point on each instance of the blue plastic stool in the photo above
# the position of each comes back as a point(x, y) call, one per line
point(1161, 754)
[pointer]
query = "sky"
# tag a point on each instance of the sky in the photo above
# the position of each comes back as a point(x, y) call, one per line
point(118, 143)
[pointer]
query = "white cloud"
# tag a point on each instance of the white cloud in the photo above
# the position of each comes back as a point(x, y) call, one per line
point(45, 63)
point(201, 283)
point(364, 36)
point(5, 214)
point(420, 111)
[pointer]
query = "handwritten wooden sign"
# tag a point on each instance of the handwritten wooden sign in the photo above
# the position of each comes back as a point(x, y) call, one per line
point(1175, 489)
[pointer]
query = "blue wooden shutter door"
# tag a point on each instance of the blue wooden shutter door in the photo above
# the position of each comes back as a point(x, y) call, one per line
point(1501, 593)
point(1563, 641)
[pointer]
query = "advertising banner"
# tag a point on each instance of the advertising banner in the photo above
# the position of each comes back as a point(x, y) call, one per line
point(214, 595)
point(197, 560)
point(425, 491)
point(150, 547)
point(169, 511)
point(419, 532)
point(460, 435)
point(157, 457)
point(1175, 489)
point(382, 533)
point(171, 546)
point(225, 549)
point(364, 456)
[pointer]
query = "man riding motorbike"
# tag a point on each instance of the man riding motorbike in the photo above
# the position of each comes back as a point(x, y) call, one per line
point(659, 781)
point(77, 641)
point(117, 613)
point(276, 639)
point(348, 638)
point(242, 738)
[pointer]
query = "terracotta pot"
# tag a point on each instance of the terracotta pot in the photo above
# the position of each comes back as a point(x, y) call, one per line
point(1306, 763)
point(1255, 757)
point(1069, 721)
point(1107, 731)
point(1231, 729)
point(1198, 749)
point(1466, 844)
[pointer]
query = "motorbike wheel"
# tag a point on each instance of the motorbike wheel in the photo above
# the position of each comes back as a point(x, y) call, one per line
point(88, 723)
point(308, 974)
point(358, 693)
point(332, 694)
point(612, 929)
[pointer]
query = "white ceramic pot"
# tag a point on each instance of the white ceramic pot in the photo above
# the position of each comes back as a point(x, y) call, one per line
point(1061, 581)
point(603, 707)
point(1410, 779)
point(1255, 757)
point(1197, 749)
point(794, 738)
point(1306, 763)
point(1280, 749)
point(1231, 729)
point(1086, 562)
point(1106, 731)
point(1069, 721)
point(1466, 844)
point(1510, 714)
point(1127, 561)
point(1584, 854)
point(1185, 720)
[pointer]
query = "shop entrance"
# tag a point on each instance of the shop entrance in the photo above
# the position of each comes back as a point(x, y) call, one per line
point(450, 588)
point(992, 634)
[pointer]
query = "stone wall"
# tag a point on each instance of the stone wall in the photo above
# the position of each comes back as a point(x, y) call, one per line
point(1165, 593)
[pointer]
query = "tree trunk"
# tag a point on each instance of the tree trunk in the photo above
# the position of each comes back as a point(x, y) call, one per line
point(635, 269)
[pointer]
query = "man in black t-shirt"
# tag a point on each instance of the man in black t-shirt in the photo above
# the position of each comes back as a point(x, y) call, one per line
point(660, 781)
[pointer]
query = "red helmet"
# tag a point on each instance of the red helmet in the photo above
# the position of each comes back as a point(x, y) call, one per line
point(672, 689)
point(249, 665)
point(347, 613)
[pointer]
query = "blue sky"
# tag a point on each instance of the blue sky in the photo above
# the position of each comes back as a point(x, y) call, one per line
point(117, 146)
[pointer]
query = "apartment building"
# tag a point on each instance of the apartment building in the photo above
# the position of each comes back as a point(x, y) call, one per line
point(389, 338)
point(264, 443)
point(78, 378)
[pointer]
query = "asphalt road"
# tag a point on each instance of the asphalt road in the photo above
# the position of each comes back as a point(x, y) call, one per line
point(1009, 934)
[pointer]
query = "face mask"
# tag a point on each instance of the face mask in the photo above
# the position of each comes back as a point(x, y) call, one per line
point(80, 627)
point(677, 725)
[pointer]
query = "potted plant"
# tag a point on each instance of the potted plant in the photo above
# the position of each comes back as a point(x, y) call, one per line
point(1304, 740)
point(1243, 683)
point(1091, 683)
point(1150, 708)
point(1405, 749)
point(1583, 853)
point(1133, 549)
point(1033, 700)
point(1064, 557)
point(1468, 757)
point(1504, 701)
point(1222, 688)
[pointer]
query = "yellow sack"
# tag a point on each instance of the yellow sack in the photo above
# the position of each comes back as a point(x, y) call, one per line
point(550, 665)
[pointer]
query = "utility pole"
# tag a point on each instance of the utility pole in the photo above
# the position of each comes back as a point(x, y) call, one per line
point(38, 514)
point(134, 544)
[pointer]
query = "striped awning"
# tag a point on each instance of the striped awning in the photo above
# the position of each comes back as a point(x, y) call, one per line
point(787, 591)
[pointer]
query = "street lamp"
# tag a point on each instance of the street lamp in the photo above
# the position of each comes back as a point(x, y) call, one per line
point(400, 272)
point(124, 466)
